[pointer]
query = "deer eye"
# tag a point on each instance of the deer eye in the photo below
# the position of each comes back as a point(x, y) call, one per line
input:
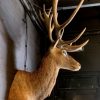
point(64, 52)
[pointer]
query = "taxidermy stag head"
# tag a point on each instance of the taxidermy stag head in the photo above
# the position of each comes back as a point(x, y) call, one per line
point(38, 85)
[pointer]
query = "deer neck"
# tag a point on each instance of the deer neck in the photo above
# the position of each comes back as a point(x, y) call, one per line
point(48, 68)
point(47, 74)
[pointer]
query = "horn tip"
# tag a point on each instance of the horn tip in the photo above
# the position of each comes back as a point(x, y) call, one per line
point(85, 43)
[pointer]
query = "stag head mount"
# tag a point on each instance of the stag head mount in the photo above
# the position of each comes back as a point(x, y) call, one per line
point(39, 84)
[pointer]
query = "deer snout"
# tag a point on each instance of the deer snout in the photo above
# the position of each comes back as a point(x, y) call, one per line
point(78, 67)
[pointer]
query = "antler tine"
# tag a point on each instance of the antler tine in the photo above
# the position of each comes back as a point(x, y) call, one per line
point(47, 19)
point(62, 26)
point(70, 42)
point(72, 16)
point(74, 48)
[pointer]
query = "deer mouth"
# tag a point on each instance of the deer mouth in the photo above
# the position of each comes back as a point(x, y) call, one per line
point(77, 69)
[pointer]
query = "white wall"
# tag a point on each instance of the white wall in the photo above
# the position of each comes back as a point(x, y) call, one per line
point(12, 43)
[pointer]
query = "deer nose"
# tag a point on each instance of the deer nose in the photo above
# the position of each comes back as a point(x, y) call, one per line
point(78, 67)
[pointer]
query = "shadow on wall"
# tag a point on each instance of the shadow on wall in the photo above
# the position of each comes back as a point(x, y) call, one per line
point(7, 64)
point(10, 67)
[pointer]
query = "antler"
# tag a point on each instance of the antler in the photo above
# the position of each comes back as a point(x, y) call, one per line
point(67, 45)
point(62, 26)
point(50, 19)
point(47, 19)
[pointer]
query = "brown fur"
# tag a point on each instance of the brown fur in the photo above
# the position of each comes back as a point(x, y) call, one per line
point(39, 84)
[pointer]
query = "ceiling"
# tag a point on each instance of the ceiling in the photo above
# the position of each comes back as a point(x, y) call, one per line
point(64, 3)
